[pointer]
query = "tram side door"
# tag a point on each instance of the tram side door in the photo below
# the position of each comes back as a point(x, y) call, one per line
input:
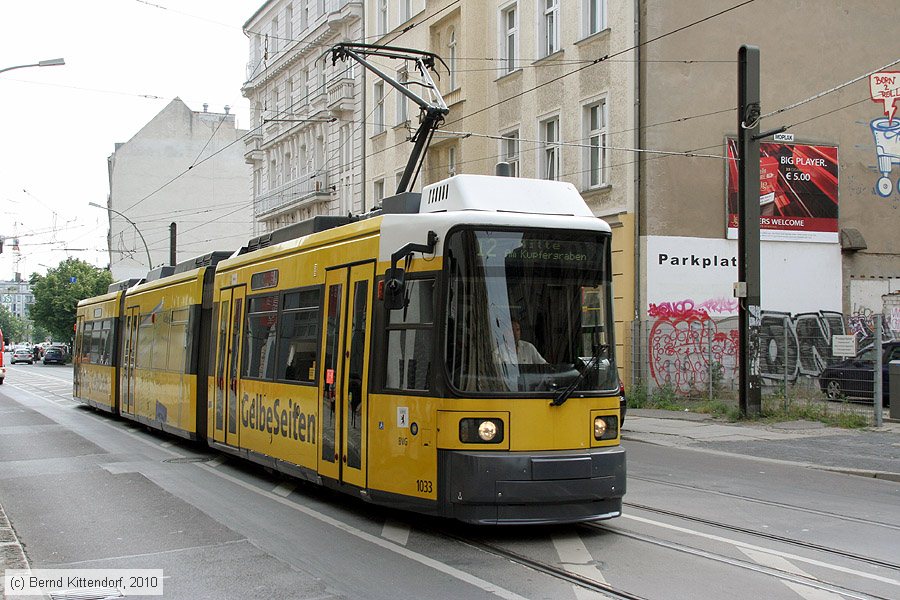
point(129, 359)
point(228, 352)
point(343, 404)
point(77, 356)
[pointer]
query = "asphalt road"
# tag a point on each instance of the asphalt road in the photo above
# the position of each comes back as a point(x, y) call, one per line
point(84, 490)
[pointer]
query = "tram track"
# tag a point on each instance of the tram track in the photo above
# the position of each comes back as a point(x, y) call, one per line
point(540, 566)
point(768, 536)
point(783, 575)
point(793, 507)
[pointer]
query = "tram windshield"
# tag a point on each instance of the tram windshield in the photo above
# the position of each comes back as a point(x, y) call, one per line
point(529, 311)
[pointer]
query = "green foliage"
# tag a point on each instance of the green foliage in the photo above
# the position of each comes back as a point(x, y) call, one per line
point(56, 296)
point(14, 329)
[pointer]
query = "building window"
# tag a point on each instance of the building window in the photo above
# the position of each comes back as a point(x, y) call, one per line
point(274, 36)
point(379, 191)
point(597, 155)
point(509, 151)
point(509, 20)
point(402, 101)
point(289, 22)
point(304, 14)
point(550, 149)
point(382, 17)
point(379, 107)
point(549, 27)
point(451, 53)
point(451, 161)
point(594, 16)
point(307, 92)
point(405, 10)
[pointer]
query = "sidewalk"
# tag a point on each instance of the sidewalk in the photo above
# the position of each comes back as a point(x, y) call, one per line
point(871, 452)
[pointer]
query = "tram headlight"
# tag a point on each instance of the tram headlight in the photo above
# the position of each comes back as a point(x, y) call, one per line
point(480, 431)
point(487, 431)
point(606, 428)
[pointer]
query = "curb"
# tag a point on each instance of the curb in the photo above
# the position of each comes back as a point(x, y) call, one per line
point(12, 555)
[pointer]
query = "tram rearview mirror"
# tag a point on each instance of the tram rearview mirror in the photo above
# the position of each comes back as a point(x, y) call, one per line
point(394, 284)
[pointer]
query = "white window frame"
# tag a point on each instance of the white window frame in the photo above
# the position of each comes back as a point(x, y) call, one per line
point(275, 39)
point(378, 112)
point(378, 190)
point(596, 154)
point(451, 161)
point(549, 157)
point(451, 59)
point(510, 150)
point(402, 100)
point(509, 37)
point(548, 23)
point(594, 16)
point(406, 10)
point(289, 22)
point(381, 18)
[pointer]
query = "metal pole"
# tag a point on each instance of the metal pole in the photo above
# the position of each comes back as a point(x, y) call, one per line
point(877, 400)
point(709, 360)
point(748, 229)
point(785, 359)
point(173, 228)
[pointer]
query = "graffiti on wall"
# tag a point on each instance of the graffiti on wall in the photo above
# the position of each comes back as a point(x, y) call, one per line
point(687, 346)
point(884, 87)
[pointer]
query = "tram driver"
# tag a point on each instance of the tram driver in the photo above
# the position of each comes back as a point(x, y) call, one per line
point(525, 351)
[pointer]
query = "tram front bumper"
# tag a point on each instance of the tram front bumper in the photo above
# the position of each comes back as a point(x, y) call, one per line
point(533, 487)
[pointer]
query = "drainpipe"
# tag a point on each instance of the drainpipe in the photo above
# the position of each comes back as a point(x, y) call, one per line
point(638, 137)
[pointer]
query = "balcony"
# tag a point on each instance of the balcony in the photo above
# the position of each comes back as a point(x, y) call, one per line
point(253, 146)
point(302, 192)
point(340, 94)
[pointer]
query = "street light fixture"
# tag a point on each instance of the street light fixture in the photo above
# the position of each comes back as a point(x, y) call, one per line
point(53, 62)
point(149, 260)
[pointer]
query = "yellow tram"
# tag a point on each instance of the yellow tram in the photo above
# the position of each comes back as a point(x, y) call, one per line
point(95, 379)
point(450, 353)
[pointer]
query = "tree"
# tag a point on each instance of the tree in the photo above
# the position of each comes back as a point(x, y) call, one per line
point(12, 326)
point(56, 295)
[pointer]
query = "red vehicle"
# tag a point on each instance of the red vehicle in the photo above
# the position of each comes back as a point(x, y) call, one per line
point(2, 366)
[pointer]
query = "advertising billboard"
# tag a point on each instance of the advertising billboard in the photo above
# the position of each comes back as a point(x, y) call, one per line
point(798, 192)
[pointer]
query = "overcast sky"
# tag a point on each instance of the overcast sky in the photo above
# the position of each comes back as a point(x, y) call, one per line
point(125, 61)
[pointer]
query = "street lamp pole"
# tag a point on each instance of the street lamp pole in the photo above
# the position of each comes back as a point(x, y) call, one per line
point(53, 62)
point(149, 260)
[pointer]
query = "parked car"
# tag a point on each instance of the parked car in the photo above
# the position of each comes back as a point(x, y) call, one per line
point(54, 355)
point(22, 355)
point(855, 377)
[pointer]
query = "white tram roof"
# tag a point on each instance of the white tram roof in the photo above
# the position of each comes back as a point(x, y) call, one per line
point(505, 194)
point(488, 200)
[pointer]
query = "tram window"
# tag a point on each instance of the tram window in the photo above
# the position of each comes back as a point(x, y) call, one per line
point(298, 348)
point(159, 354)
point(144, 343)
point(409, 348)
point(85, 344)
point(107, 338)
point(298, 337)
point(259, 337)
point(178, 340)
point(96, 343)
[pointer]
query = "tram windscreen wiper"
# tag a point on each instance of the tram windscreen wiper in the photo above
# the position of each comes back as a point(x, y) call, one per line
point(564, 394)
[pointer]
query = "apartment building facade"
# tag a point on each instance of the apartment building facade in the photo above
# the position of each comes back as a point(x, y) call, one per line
point(184, 167)
point(634, 103)
point(524, 86)
point(305, 146)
